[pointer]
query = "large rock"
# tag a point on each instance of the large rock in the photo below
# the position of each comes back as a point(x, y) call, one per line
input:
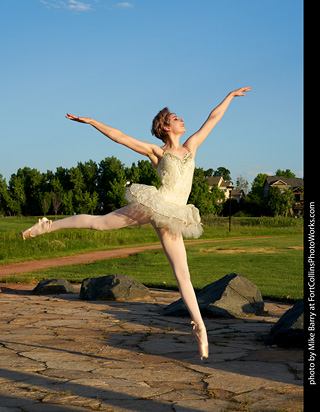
point(231, 296)
point(288, 331)
point(113, 287)
point(53, 287)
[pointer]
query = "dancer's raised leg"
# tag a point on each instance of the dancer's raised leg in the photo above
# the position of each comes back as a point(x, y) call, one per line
point(127, 216)
point(175, 251)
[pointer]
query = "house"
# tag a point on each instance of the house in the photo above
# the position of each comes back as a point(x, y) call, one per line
point(226, 188)
point(237, 194)
point(284, 183)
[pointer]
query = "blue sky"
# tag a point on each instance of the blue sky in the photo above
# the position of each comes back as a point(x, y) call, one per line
point(121, 62)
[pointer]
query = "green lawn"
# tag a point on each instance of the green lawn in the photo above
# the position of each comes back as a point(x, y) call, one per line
point(274, 264)
point(71, 242)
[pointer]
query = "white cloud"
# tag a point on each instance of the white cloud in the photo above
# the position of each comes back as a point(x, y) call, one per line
point(53, 3)
point(124, 5)
point(82, 6)
point(78, 6)
point(73, 5)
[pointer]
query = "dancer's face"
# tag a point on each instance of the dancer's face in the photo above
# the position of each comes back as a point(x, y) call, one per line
point(176, 125)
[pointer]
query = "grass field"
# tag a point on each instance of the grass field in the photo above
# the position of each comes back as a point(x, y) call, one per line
point(70, 242)
point(274, 264)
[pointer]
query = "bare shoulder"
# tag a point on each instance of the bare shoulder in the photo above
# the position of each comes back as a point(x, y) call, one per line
point(192, 148)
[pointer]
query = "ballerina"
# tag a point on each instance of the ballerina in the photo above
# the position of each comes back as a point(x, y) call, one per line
point(165, 208)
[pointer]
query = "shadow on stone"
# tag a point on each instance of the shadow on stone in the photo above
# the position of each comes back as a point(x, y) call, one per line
point(288, 331)
point(53, 287)
point(231, 296)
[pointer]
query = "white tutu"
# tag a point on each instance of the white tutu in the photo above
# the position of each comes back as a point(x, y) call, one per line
point(167, 206)
point(183, 219)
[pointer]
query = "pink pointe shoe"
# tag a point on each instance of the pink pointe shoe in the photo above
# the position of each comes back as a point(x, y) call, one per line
point(39, 228)
point(203, 347)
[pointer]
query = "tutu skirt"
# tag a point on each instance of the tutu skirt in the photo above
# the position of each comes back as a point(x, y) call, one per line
point(184, 219)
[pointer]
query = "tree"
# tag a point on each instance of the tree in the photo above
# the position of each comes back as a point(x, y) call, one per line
point(225, 173)
point(254, 203)
point(34, 183)
point(78, 189)
point(230, 206)
point(148, 174)
point(4, 196)
point(17, 196)
point(56, 194)
point(89, 172)
point(92, 201)
point(88, 202)
point(67, 201)
point(285, 173)
point(257, 185)
point(56, 199)
point(45, 202)
point(217, 196)
point(63, 175)
point(132, 174)
point(208, 173)
point(111, 184)
point(201, 196)
point(242, 183)
point(279, 202)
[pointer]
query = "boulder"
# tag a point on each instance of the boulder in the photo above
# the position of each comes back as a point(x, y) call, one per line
point(53, 287)
point(113, 287)
point(288, 331)
point(231, 296)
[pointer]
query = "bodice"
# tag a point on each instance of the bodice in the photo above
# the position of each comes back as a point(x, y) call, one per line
point(176, 177)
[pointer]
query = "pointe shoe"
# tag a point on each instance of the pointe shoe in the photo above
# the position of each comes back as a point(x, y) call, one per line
point(43, 226)
point(203, 348)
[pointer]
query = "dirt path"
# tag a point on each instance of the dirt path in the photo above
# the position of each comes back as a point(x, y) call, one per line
point(29, 266)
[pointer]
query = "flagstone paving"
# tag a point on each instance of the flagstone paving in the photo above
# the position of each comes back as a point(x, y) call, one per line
point(61, 354)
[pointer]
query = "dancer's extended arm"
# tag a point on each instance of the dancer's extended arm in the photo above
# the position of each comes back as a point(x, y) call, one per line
point(148, 149)
point(215, 116)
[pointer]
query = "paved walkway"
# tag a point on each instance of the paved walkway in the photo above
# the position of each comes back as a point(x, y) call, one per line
point(61, 354)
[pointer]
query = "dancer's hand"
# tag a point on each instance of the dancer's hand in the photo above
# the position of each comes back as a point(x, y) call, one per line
point(78, 119)
point(240, 92)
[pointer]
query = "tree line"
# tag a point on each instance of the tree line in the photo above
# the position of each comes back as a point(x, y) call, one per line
point(99, 188)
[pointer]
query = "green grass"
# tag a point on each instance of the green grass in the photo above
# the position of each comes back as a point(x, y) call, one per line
point(64, 242)
point(70, 242)
point(274, 264)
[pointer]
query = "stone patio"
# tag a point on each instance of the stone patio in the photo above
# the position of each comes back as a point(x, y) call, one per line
point(61, 354)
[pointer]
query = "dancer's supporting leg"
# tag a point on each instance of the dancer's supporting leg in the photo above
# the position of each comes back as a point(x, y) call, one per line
point(175, 251)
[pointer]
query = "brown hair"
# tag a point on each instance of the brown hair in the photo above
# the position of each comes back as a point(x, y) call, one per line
point(159, 122)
